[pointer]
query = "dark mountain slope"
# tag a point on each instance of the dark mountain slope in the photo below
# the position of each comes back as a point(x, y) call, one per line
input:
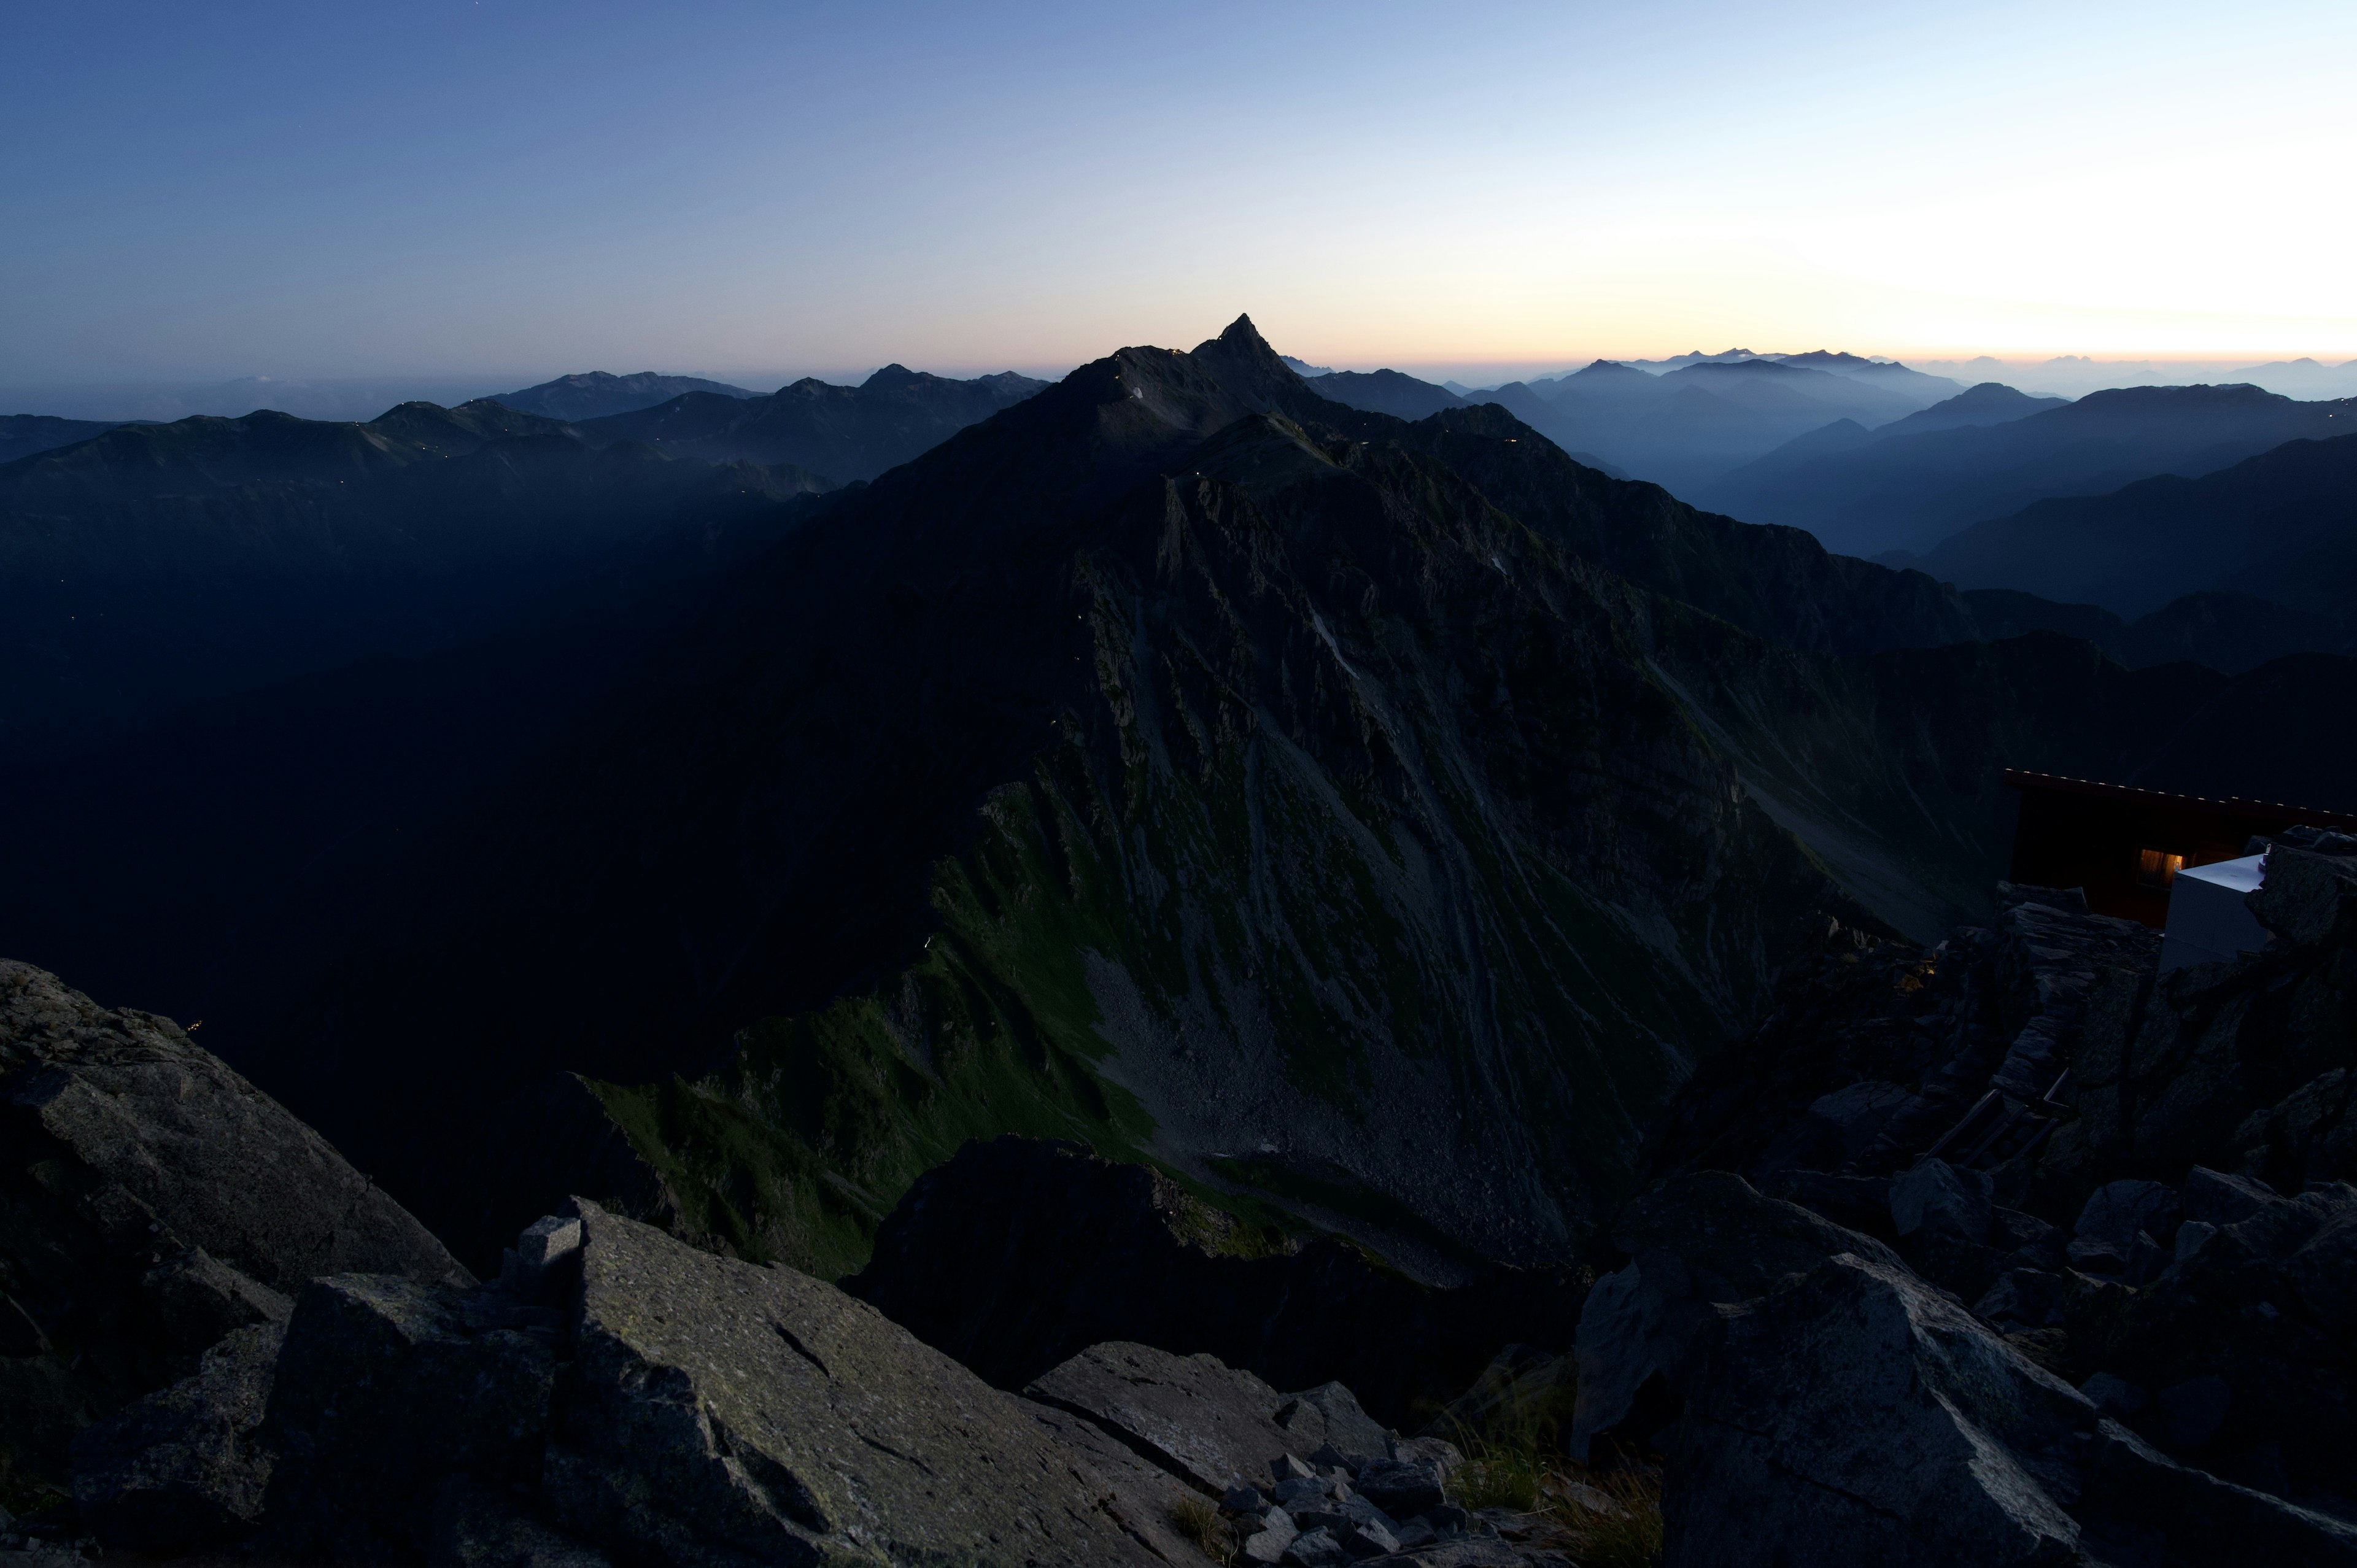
point(1908, 492)
point(1386, 391)
point(1990, 403)
point(1174, 761)
point(1181, 763)
point(208, 887)
point(22, 435)
point(2262, 526)
point(844, 433)
point(595, 394)
point(160, 565)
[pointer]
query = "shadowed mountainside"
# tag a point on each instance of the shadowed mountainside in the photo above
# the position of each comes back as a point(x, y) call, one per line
point(1910, 492)
point(1182, 763)
point(22, 435)
point(2282, 525)
point(160, 565)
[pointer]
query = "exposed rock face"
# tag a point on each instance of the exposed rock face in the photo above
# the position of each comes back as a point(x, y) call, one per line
point(181, 1466)
point(2180, 1248)
point(721, 1408)
point(1208, 1424)
point(1697, 1241)
point(152, 1201)
point(1859, 1416)
point(1020, 1253)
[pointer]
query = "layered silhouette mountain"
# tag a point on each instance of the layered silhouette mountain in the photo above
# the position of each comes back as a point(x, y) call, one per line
point(157, 565)
point(22, 435)
point(595, 394)
point(1405, 397)
point(1990, 403)
point(1689, 425)
point(844, 433)
point(2228, 631)
point(1908, 491)
point(1360, 814)
point(2282, 525)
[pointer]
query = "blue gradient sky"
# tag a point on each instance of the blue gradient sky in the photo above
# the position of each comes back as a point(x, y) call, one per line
point(432, 188)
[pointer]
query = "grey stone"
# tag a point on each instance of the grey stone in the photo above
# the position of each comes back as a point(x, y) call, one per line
point(2324, 1271)
point(2146, 1508)
point(2192, 1411)
point(1242, 1498)
point(1857, 1417)
point(217, 1162)
point(179, 1470)
point(2029, 1297)
point(1936, 1196)
point(1314, 1549)
point(2114, 1396)
point(2191, 1235)
point(202, 1298)
point(1302, 1492)
point(1348, 1428)
point(1290, 1468)
point(385, 1388)
point(543, 1258)
point(1267, 1544)
point(723, 1411)
point(2119, 1209)
point(1202, 1420)
point(1403, 1487)
point(1699, 1239)
point(1141, 1497)
point(2217, 1198)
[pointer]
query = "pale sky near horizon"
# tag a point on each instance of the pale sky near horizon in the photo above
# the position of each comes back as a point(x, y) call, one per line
point(451, 185)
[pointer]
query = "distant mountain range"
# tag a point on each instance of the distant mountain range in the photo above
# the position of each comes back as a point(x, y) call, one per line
point(2282, 526)
point(844, 433)
point(595, 394)
point(156, 565)
point(1908, 490)
point(1699, 418)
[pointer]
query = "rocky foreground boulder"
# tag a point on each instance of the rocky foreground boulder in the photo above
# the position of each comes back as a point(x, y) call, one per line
point(616, 1396)
point(153, 1205)
point(2110, 1321)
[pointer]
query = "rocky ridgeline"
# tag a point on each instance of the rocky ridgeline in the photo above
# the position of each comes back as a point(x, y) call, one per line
point(616, 1396)
point(2114, 1323)
point(2017, 1253)
point(155, 1209)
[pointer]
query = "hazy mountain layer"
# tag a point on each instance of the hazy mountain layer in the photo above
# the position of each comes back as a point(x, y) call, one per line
point(2282, 525)
point(1687, 427)
point(845, 432)
point(1910, 492)
point(157, 565)
point(593, 394)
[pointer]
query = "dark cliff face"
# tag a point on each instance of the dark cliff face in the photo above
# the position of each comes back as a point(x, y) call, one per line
point(1175, 761)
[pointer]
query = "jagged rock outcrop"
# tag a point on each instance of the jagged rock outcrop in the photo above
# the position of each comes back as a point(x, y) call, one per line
point(152, 1203)
point(1858, 1415)
point(1019, 1253)
point(2169, 1232)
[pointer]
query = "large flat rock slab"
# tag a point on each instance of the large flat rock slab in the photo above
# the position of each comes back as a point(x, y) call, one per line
point(1205, 1422)
point(723, 1411)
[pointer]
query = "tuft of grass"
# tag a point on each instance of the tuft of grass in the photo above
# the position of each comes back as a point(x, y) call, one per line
point(1500, 1473)
point(1610, 1518)
point(1198, 1518)
point(1605, 1516)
